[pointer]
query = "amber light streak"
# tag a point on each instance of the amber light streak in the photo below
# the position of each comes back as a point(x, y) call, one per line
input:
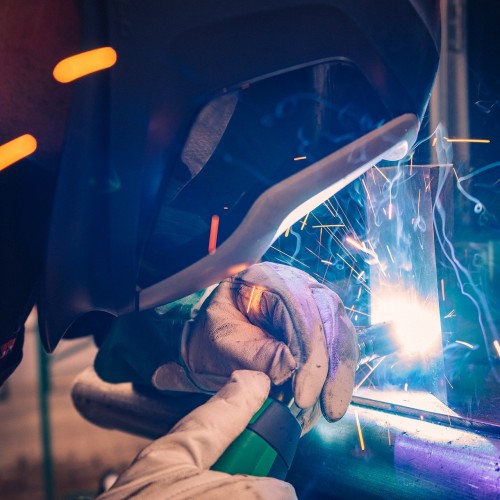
point(214, 229)
point(497, 347)
point(357, 244)
point(360, 434)
point(466, 344)
point(16, 150)
point(250, 300)
point(304, 222)
point(83, 64)
point(480, 141)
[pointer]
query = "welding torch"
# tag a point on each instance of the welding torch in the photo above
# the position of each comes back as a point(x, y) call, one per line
point(268, 444)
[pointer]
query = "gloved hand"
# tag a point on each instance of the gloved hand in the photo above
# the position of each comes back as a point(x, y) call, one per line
point(281, 321)
point(176, 465)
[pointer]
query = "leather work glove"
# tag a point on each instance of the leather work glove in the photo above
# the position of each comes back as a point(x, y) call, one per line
point(278, 320)
point(176, 465)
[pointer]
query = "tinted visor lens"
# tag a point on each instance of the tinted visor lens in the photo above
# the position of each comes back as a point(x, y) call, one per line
point(247, 140)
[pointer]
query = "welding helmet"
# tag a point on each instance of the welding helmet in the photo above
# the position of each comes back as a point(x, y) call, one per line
point(221, 121)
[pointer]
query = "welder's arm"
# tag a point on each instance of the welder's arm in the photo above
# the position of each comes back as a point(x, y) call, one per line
point(177, 465)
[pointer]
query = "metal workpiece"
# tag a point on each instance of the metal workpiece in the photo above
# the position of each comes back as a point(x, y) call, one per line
point(371, 452)
point(393, 456)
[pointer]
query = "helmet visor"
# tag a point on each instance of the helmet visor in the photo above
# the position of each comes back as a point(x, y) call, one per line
point(243, 142)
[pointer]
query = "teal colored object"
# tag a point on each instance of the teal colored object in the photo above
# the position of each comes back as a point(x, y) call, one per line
point(266, 447)
point(248, 454)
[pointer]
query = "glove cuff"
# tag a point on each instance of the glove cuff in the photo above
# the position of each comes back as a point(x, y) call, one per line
point(140, 342)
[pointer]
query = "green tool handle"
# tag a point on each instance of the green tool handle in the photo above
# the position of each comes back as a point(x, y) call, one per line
point(266, 447)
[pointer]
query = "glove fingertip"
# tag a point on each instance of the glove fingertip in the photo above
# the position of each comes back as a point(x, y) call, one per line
point(254, 384)
point(308, 383)
point(337, 393)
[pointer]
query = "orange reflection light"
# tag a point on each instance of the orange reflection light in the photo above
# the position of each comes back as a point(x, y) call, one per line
point(214, 229)
point(16, 150)
point(82, 64)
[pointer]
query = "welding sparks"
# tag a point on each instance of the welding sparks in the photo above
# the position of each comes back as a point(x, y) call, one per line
point(360, 434)
point(214, 229)
point(381, 173)
point(83, 64)
point(356, 311)
point(496, 344)
point(451, 314)
point(362, 247)
point(466, 344)
point(304, 222)
point(298, 158)
point(323, 226)
point(442, 290)
point(372, 369)
point(356, 244)
point(289, 256)
point(390, 254)
point(428, 165)
point(250, 300)
point(480, 141)
point(16, 150)
point(368, 194)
